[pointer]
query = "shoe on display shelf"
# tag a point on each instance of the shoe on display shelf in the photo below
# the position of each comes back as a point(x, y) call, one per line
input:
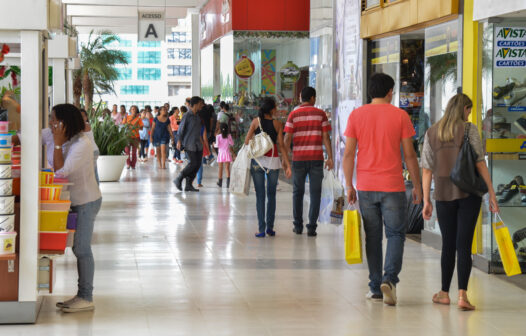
point(522, 252)
point(500, 189)
point(511, 189)
point(518, 236)
point(521, 123)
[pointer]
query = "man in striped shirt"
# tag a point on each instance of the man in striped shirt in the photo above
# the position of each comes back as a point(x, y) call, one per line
point(308, 129)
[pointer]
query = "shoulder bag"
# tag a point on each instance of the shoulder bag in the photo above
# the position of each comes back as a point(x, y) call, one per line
point(260, 144)
point(464, 174)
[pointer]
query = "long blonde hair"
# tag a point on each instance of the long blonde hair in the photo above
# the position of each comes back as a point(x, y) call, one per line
point(453, 116)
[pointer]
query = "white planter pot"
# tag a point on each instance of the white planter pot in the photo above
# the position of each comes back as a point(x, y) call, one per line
point(110, 167)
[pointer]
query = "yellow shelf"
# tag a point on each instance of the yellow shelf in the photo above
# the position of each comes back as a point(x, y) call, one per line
point(505, 145)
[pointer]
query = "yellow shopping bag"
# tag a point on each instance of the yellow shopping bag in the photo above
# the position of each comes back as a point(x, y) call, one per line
point(353, 240)
point(506, 249)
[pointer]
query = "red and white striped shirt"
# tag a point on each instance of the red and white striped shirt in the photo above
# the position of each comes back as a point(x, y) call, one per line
point(307, 125)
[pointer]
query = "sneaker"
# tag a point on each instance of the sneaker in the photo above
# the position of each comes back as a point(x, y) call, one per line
point(297, 230)
point(78, 305)
point(374, 297)
point(312, 233)
point(260, 235)
point(178, 182)
point(389, 293)
point(271, 233)
point(521, 123)
point(65, 303)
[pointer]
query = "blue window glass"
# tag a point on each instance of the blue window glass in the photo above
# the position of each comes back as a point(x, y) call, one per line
point(179, 70)
point(149, 57)
point(149, 44)
point(135, 89)
point(171, 53)
point(125, 43)
point(128, 56)
point(179, 37)
point(124, 73)
point(148, 74)
point(179, 53)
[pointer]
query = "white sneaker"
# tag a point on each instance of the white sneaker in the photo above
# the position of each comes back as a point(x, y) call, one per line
point(65, 303)
point(389, 292)
point(78, 305)
point(374, 297)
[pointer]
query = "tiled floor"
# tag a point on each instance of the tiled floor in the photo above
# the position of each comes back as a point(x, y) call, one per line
point(170, 263)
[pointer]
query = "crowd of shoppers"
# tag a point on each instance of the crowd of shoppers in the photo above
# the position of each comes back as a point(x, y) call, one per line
point(379, 143)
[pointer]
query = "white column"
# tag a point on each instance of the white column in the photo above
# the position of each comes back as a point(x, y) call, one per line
point(34, 86)
point(196, 53)
point(59, 81)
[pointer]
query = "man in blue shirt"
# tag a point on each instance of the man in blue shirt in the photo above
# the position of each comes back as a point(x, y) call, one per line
point(189, 138)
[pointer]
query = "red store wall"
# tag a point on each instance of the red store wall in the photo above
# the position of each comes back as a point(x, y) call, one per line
point(277, 15)
point(219, 17)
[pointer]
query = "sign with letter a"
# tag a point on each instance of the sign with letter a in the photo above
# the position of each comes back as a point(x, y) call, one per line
point(151, 26)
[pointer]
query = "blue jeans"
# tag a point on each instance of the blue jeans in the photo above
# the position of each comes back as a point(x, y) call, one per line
point(258, 176)
point(86, 214)
point(379, 208)
point(177, 153)
point(200, 171)
point(300, 170)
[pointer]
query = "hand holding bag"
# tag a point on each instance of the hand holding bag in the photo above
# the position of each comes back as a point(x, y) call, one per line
point(240, 174)
point(506, 249)
point(260, 144)
point(352, 235)
point(464, 174)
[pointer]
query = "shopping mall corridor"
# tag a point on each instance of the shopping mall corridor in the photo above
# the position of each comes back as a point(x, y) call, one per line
point(171, 263)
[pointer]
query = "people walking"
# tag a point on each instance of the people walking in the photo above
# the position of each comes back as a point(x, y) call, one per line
point(308, 129)
point(189, 137)
point(379, 129)
point(457, 211)
point(70, 153)
point(116, 116)
point(225, 154)
point(134, 122)
point(144, 135)
point(266, 168)
point(161, 135)
point(206, 153)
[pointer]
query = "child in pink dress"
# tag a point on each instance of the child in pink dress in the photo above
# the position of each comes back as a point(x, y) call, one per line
point(225, 153)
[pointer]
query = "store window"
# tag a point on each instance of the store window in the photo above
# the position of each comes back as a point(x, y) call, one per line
point(179, 37)
point(149, 57)
point(385, 58)
point(149, 44)
point(135, 89)
point(179, 70)
point(124, 73)
point(179, 53)
point(368, 4)
point(148, 74)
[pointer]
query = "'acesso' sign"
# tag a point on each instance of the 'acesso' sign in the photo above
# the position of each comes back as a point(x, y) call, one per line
point(151, 26)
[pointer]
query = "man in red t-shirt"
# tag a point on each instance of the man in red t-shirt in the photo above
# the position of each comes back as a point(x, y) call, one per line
point(308, 128)
point(378, 130)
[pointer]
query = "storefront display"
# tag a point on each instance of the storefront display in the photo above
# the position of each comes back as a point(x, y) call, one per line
point(503, 102)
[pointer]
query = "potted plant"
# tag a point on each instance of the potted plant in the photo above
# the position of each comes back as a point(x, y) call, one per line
point(112, 140)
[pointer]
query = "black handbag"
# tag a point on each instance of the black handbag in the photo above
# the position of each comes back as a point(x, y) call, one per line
point(464, 174)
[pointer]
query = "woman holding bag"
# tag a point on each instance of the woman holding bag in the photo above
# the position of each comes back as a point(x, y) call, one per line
point(267, 167)
point(457, 211)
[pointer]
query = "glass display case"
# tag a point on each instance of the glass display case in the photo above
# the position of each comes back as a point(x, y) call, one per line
point(503, 103)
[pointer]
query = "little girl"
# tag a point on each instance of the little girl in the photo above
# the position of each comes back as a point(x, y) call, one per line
point(225, 153)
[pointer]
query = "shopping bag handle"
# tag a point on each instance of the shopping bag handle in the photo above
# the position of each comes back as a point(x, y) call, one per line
point(497, 216)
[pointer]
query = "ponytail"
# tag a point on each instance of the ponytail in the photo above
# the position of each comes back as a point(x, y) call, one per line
point(224, 130)
point(269, 103)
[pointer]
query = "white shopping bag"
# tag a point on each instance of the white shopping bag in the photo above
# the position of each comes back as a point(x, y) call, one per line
point(332, 199)
point(240, 173)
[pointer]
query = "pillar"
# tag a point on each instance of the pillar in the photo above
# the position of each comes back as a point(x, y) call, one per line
point(196, 52)
point(59, 81)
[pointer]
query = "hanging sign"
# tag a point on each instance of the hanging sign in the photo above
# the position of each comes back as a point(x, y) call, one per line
point(289, 73)
point(151, 26)
point(244, 67)
point(509, 72)
point(510, 47)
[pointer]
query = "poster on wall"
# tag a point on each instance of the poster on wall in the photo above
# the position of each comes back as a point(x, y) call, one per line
point(348, 51)
point(509, 68)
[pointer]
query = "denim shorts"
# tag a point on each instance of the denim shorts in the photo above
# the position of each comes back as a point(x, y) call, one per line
point(159, 142)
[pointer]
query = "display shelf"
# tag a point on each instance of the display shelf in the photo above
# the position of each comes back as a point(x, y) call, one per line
point(11, 256)
point(48, 252)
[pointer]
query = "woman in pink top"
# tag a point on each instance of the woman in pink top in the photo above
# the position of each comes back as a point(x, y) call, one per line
point(225, 153)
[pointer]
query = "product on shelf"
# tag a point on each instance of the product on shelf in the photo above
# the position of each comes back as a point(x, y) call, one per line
point(6, 187)
point(511, 189)
point(53, 240)
point(7, 223)
point(53, 220)
point(521, 124)
point(50, 192)
point(5, 170)
point(7, 205)
point(7, 242)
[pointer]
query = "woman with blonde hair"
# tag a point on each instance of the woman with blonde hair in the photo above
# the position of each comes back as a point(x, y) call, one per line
point(457, 211)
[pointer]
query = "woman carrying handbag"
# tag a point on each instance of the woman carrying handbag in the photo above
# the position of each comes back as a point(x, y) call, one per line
point(267, 166)
point(447, 147)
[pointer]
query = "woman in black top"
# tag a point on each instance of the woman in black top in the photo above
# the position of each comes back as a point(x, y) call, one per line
point(267, 167)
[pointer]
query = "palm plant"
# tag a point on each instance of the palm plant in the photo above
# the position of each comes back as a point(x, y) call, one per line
point(97, 72)
point(110, 138)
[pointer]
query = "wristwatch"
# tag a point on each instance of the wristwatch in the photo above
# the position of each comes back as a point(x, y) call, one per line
point(58, 147)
